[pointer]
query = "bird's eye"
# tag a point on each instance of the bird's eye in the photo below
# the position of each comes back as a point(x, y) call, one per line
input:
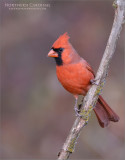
point(60, 49)
point(57, 49)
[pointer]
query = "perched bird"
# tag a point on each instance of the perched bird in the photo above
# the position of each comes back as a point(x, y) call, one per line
point(75, 75)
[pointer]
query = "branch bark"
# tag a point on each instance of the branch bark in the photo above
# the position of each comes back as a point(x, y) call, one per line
point(92, 95)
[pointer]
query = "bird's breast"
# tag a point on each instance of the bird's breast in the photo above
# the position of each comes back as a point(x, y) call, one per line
point(75, 78)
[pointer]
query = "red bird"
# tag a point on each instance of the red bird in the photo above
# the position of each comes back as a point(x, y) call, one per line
point(75, 74)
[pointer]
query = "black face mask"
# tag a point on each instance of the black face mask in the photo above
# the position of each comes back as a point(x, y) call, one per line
point(58, 59)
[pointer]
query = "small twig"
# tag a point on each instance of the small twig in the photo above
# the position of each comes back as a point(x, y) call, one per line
point(92, 95)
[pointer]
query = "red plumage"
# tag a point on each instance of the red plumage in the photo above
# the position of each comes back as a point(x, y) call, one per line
point(75, 74)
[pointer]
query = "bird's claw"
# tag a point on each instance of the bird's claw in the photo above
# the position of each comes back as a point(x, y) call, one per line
point(78, 115)
point(76, 109)
point(93, 82)
point(77, 112)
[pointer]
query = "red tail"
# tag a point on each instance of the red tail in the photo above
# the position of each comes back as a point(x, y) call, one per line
point(104, 113)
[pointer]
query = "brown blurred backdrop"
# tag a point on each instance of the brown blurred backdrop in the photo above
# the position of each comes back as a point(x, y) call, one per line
point(37, 113)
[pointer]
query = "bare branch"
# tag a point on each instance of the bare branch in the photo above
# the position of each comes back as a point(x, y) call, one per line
point(92, 95)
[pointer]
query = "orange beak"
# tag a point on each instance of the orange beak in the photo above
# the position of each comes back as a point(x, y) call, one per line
point(52, 53)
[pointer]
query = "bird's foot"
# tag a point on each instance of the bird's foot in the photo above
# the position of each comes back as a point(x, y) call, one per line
point(94, 81)
point(77, 111)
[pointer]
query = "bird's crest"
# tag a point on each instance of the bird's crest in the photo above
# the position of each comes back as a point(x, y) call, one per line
point(61, 41)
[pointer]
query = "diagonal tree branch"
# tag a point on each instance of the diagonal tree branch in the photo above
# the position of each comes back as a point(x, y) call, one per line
point(92, 95)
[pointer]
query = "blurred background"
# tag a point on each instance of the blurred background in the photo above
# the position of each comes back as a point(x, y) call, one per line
point(36, 112)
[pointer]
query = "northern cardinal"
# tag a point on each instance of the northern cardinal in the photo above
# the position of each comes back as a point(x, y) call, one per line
point(75, 74)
